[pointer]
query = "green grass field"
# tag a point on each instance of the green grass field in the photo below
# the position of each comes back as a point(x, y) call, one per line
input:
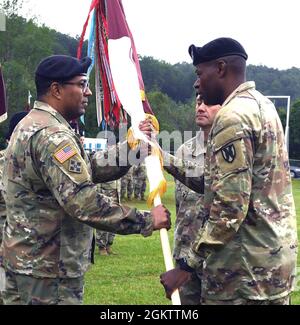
point(132, 276)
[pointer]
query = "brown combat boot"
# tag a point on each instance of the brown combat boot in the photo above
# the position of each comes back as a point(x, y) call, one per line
point(110, 251)
point(103, 251)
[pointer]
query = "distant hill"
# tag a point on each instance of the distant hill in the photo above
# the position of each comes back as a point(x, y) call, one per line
point(169, 87)
point(177, 80)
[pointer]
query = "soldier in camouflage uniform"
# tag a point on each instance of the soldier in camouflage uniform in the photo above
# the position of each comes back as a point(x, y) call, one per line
point(139, 181)
point(248, 245)
point(104, 239)
point(51, 197)
point(127, 185)
point(189, 204)
point(16, 118)
point(2, 218)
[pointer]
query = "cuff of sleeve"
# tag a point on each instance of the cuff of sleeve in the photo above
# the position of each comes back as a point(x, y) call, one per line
point(147, 224)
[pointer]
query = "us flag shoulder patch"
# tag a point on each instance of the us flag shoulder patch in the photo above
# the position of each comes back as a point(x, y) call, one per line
point(64, 154)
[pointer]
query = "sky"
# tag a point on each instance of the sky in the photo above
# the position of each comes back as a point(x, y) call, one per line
point(164, 29)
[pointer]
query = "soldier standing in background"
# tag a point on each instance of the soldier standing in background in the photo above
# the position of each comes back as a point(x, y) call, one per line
point(2, 220)
point(189, 204)
point(127, 185)
point(248, 245)
point(15, 119)
point(104, 239)
point(139, 181)
point(52, 201)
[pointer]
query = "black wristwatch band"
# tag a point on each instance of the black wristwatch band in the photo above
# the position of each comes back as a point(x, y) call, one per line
point(184, 266)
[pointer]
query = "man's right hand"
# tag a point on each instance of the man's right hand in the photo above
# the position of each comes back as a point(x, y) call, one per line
point(173, 280)
point(161, 217)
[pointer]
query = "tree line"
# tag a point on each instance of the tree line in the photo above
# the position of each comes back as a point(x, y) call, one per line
point(169, 87)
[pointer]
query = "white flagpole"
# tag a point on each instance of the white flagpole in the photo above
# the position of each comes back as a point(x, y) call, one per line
point(122, 68)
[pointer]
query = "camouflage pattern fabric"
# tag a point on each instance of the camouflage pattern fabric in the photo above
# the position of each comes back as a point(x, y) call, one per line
point(2, 202)
point(2, 211)
point(190, 292)
point(52, 202)
point(104, 238)
point(189, 204)
point(27, 290)
point(248, 246)
point(185, 171)
point(139, 181)
point(276, 302)
point(127, 185)
point(189, 219)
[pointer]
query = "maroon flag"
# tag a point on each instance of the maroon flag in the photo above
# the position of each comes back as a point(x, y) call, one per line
point(3, 110)
point(118, 28)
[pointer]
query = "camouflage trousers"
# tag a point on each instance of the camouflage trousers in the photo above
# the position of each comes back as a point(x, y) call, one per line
point(139, 188)
point(27, 290)
point(126, 186)
point(2, 284)
point(104, 239)
point(190, 292)
point(2, 221)
point(241, 301)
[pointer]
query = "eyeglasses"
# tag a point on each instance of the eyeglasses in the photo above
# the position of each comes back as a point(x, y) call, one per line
point(83, 84)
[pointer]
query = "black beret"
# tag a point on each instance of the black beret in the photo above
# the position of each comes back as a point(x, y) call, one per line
point(215, 49)
point(62, 67)
point(15, 119)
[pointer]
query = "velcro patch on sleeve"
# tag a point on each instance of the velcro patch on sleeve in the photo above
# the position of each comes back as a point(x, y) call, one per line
point(65, 153)
point(232, 157)
point(75, 166)
point(230, 151)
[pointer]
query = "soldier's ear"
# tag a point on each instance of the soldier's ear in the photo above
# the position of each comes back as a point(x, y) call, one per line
point(56, 90)
point(221, 67)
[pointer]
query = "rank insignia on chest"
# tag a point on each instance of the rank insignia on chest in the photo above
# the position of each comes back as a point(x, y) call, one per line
point(67, 152)
point(229, 153)
point(75, 166)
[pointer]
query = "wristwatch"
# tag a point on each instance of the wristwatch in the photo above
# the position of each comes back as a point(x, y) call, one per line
point(183, 265)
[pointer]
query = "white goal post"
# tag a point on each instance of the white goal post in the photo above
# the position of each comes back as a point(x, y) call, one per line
point(288, 110)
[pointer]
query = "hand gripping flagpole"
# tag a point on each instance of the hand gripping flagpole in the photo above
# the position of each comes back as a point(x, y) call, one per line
point(127, 86)
point(121, 63)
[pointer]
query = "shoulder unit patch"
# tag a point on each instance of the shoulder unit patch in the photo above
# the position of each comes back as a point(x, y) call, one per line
point(75, 166)
point(229, 153)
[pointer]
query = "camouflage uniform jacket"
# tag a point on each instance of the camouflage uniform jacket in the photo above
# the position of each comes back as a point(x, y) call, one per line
point(2, 202)
point(249, 242)
point(189, 204)
point(110, 189)
point(52, 202)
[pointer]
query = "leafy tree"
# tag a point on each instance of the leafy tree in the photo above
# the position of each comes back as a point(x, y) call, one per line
point(295, 131)
point(169, 87)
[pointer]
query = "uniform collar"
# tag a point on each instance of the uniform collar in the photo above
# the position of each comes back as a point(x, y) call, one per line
point(49, 109)
point(197, 147)
point(241, 88)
